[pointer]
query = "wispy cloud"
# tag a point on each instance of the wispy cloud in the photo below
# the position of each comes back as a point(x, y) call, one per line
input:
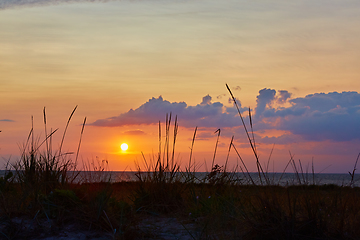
point(316, 117)
point(134, 133)
point(6, 120)
point(5, 4)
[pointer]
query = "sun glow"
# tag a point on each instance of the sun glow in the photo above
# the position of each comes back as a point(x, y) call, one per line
point(124, 147)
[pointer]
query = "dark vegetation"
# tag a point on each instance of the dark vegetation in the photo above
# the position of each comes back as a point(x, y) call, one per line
point(44, 185)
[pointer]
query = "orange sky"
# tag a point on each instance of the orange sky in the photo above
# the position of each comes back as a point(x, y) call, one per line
point(110, 57)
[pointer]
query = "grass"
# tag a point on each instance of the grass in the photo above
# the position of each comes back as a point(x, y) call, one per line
point(45, 186)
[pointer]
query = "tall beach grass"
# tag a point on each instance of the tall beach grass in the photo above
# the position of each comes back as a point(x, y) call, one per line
point(46, 186)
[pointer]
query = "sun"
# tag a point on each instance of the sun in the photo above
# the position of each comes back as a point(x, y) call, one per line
point(124, 146)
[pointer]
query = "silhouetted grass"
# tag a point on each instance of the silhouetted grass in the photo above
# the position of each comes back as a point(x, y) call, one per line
point(222, 204)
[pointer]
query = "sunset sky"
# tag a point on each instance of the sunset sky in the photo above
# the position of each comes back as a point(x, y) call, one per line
point(125, 64)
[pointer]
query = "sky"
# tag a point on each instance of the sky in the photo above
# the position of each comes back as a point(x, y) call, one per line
point(126, 64)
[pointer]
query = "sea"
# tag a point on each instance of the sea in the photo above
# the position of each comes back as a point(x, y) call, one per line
point(281, 179)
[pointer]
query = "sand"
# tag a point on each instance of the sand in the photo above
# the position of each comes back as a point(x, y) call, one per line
point(149, 227)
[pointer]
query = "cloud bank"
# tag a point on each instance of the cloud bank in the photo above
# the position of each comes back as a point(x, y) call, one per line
point(204, 114)
point(316, 117)
point(320, 116)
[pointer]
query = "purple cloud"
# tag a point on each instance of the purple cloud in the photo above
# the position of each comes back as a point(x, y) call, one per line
point(329, 125)
point(206, 100)
point(205, 114)
point(317, 117)
point(283, 96)
point(326, 101)
point(265, 98)
point(321, 116)
point(148, 113)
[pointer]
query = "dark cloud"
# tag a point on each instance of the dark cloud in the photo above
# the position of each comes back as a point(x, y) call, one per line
point(265, 98)
point(231, 101)
point(333, 125)
point(326, 101)
point(6, 120)
point(283, 96)
point(148, 113)
point(205, 114)
point(317, 117)
point(206, 100)
point(283, 139)
point(283, 112)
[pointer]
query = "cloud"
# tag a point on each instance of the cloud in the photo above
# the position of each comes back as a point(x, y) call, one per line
point(206, 100)
point(6, 120)
point(6, 4)
point(205, 114)
point(134, 133)
point(148, 113)
point(283, 139)
point(205, 135)
point(330, 125)
point(231, 101)
point(330, 116)
point(283, 96)
point(237, 88)
point(9, 4)
point(265, 98)
point(326, 101)
point(221, 96)
point(316, 117)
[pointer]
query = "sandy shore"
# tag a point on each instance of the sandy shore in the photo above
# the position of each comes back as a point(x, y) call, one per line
point(150, 227)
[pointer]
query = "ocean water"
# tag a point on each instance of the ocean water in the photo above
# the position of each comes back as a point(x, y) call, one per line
point(282, 179)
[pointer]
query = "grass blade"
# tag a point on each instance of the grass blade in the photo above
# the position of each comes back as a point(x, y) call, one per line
point(66, 127)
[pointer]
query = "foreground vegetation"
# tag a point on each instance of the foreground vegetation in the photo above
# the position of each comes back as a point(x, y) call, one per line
point(45, 186)
point(219, 210)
